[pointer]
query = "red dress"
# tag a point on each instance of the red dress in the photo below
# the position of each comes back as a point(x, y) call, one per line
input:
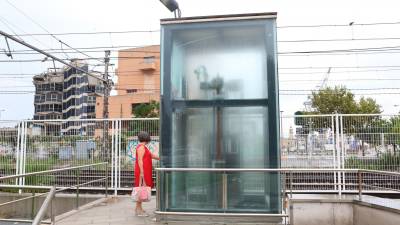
point(147, 167)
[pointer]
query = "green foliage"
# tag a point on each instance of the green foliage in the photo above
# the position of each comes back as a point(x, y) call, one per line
point(392, 132)
point(309, 123)
point(147, 110)
point(386, 161)
point(340, 100)
point(368, 105)
point(333, 100)
point(36, 166)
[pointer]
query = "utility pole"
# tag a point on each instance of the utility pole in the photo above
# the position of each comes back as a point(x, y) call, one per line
point(107, 84)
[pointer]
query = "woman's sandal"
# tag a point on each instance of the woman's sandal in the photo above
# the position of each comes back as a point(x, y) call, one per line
point(141, 214)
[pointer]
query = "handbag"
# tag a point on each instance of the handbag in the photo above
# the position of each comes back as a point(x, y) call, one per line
point(141, 193)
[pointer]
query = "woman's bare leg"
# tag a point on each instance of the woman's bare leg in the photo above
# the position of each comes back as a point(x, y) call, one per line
point(138, 208)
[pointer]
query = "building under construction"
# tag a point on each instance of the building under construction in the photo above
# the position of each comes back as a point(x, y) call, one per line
point(66, 94)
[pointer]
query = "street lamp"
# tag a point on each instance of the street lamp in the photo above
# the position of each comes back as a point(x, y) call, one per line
point(172, 6)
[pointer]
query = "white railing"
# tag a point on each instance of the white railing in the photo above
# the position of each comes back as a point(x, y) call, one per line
point(332, 141)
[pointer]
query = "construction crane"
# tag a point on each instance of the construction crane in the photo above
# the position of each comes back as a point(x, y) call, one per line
point(307, 104)
point(325, 80)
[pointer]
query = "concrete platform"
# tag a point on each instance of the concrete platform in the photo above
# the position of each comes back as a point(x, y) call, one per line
point(120, 211)
point(116, 211)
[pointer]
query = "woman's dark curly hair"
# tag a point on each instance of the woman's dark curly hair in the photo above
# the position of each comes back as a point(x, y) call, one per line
point(143, 136)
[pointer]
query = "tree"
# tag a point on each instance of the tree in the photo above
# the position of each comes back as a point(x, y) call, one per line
point(340, 100)
point(144, 110)
point(393, 136)
point(333, 100)
point(147, 110)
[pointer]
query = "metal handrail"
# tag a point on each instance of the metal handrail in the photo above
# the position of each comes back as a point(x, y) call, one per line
point(253, 170)
point(285, 171)
point(50, 171)
point(53, 190)
point(180, 169)
point(47, 202)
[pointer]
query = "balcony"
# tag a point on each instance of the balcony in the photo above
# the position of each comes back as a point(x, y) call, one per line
point(147, 66)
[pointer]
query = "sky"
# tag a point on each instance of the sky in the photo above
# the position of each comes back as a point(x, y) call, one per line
point(372, 74)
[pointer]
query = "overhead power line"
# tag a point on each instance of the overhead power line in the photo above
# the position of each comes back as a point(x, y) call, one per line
point(344, 71)
point(156, 31)
point(48, 55)
point(93, 33)
point(351, 89)
point(337, 67)
point(343, 80)
point(43, 28)
point(370, 93)
point(340, 40)
point(96, 47)
point(339, 25)
point(386, 49)
point(91, 58)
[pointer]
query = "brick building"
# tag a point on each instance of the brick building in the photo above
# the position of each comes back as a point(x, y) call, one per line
point(138, 81)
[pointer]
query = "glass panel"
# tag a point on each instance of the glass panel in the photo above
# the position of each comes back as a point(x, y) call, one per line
point(193, 191)
point(225, 60)
point(220, 137)
point(192, 138)
point(253, 192)
point(231, 137)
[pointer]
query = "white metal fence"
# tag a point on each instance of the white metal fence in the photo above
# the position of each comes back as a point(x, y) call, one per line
point(38, 145)
point(312, 141)
point(341, 142)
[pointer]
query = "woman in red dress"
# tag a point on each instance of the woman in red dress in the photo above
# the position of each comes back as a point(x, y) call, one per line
point(143, 167)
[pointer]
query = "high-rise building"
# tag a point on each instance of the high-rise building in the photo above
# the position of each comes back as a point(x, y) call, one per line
point(66, 94)
point(138, 81)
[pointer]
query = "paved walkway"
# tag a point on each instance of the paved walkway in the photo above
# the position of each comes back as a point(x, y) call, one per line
point(116, 211)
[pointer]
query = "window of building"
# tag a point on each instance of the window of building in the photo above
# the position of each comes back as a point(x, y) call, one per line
point(149, 59)
point(130, 91)
point(91, 99)
point(54, 97)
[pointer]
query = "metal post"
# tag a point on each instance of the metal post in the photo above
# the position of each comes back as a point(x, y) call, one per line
point(342, 151)
point(359, 185)
point(112, 152)
point(116, 158)
point(52, 213)
point(224, 191)
point(24, 151)
point(21, 158)
point(334, 152)
point(106, 180)
point(33, 205)
point(338, 155)
point(158, 188)
point(284, 203)
point(77, 188)
point(44, 208)
point(291, 184)
point(18, 160)
point(106, 84)
point(119, 153)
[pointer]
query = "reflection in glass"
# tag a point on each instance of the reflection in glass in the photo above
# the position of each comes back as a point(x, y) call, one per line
point(219, 62)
